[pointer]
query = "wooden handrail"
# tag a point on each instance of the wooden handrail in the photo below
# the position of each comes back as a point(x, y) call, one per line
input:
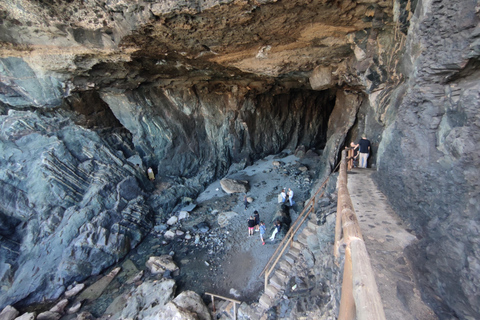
point(287, 240)
point(212, 295)
point(360, 297)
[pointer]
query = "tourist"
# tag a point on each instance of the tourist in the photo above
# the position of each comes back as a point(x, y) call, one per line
point(364, 145)
point(150, 174)
point(245, 202)
point(263, 229)
point(256, 216)
point(278, 226)
point(251, 225)
point(290, 197)
point(283, 195)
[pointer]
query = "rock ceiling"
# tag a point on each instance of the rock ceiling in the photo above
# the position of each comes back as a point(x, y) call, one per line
point(122, 44)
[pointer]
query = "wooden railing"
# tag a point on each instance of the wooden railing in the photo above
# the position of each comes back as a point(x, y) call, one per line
point(287, 240)
point(213, 296)
point(360, 298)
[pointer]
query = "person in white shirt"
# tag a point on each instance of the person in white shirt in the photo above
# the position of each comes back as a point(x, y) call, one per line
point(290, 196)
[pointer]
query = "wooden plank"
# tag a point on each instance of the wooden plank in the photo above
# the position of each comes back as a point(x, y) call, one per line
point(365, 292)
point(347, 303)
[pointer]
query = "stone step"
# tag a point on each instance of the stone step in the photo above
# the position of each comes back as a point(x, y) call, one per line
point(265, 301)
point(294, 252)
point(303, 239)
point(308, 232)
point(285, 266)
point(297, 245)
point(312, 225)
point(277, 282)
point(271, 291)
point(290, 258)
point(282, 275)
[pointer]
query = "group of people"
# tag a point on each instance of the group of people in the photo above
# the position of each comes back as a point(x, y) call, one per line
point(254, 224)
point(286, 196)
point(361, 151)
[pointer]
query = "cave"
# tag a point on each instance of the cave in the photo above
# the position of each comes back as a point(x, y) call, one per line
point(94, 93)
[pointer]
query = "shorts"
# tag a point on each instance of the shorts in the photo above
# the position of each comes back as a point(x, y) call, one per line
point(250, 228)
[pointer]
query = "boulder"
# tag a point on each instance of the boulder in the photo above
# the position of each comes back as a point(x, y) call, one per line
point(234, 186)
point(60, 306)
point(192, 302)
point(49, 315)
point(9, 313)
point(148, 300)
point(27, 316)
point(321, 78)
point(161, 264)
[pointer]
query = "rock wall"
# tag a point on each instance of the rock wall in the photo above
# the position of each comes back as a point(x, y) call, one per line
point(428, 159)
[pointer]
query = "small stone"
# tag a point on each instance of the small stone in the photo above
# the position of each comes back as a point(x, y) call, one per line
point(179, 233)
point(59, 307)
point(207, 264)
point(303, 168)
point(197, 239)
point(75, 290)
point(183, 215)
point(74, 309)
point(188, 237)
point(172, 220)
point(169, 234)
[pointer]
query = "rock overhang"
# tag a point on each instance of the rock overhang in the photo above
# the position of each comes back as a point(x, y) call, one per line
point(121, 45)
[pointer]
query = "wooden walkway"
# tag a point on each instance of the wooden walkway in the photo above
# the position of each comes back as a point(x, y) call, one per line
point(386, 237)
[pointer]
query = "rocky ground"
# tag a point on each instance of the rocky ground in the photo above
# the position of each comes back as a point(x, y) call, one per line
point(208, 239)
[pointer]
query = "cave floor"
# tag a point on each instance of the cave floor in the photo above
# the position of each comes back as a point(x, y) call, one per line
point(386, 237)
point(226, 261)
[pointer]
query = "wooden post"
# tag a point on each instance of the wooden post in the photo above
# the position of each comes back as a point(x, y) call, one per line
point(234, 311)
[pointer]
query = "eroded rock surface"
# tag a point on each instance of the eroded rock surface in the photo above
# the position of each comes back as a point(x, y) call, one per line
point(93, 93)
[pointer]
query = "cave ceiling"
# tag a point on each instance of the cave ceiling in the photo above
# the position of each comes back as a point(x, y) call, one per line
point(119, 45)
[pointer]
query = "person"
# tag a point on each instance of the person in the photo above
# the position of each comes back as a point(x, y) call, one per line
point(283, 195)
point(355, 154)
point(256, 217)
point(352, 155)
point(245, 201)
point(263, 229)
point(364, 149)
point(290, 197)
point(150, 174)
point(251, 225)
point(278, 226)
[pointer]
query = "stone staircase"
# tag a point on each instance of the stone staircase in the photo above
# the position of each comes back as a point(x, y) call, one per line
point(288, 263)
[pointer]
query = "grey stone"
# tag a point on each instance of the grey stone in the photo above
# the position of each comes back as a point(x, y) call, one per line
point(9, 313)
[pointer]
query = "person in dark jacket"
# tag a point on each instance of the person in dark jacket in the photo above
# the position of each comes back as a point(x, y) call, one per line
point(364, 150)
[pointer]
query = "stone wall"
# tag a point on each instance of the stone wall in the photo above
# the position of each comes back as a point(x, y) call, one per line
point(428, 159)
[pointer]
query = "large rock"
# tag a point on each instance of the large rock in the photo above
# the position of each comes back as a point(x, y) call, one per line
point(187, 305)
point(234, 186)
point(147, 301)
point(161, 264)
point(9, 313)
